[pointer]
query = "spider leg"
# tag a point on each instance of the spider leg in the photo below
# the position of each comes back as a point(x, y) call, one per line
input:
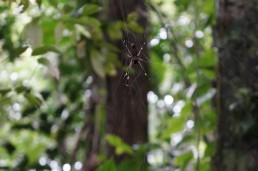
point(128, 55)
point(146, 58)
point(128, 50)
point(142, 60)
point(140, 50)
point(143, 69)
point(127, 73)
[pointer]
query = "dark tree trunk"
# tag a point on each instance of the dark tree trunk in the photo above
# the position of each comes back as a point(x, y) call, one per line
point(127, 106)
point(236, 37)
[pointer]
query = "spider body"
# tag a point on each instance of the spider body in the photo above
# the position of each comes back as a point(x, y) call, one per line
point(134, 57)
point(133, 49)
point(134, 52)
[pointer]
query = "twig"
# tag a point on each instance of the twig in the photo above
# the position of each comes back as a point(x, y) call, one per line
point(173, 45)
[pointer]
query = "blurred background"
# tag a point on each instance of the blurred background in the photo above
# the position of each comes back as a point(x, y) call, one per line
point(123, 85)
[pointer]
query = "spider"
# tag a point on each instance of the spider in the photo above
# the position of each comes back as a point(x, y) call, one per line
point(133, 53)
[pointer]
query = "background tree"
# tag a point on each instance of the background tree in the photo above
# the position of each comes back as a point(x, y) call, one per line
point(127, 106)
point(59, 86)
point(236, 40)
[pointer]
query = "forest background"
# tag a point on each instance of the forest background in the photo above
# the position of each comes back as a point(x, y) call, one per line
point(128, 85)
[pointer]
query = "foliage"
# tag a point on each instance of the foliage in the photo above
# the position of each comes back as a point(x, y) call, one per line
point(50, 51)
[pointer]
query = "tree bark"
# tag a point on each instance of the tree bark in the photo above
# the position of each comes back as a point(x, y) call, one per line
point(236, 37)
point(127, 106)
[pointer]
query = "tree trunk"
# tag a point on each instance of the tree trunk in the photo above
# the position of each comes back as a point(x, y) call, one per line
point(236, 37)
point(127, 106)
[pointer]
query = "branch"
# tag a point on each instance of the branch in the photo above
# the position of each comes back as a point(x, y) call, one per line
point(173, 45)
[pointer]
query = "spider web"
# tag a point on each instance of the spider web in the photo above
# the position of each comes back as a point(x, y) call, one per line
point(130, 82)
point(132, 92)
point(132, 89)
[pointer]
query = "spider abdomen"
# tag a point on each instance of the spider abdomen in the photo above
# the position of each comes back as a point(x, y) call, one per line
point(133, 49)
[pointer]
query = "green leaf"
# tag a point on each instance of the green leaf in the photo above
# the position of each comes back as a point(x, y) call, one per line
point(115, 31)
point(186, 139)
point(107, 166)
point(54, 3)
point(207, 96)
point(157, 65)
point(44, 49)
point(208, 59)
point(110, 69)
point(243, 91)
point(247, 123)
point(110, 47)
point(91, 24)
point(182, 4)
point(43, 61)
point(183, 160)
point(82, 30)
point(90, 9)
point(39, 2)
point(21, 89)
point(33, 33)
point(132, 23)
point(133, 164)
point(89, 21)
point(174, 125)
point(20, 50)
point(5, 91)
point(34, 100)
point(120, 146)
point(187, 109)
point(210, 149)
point(25, 4)
point(97, 63)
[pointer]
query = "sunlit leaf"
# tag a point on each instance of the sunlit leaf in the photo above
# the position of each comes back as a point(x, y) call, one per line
point(43, 61)
point(243, 91)
point(90, 9)
point(174, 125)
point(187, 109)
point(115, 31)
point(107, 166)
point(186, 139)
point(133, 24)
point(83, 30)
point(44, 49)
point(207, 96)
point(97, 63)
point(34, 100)
point(25, 4)
point(120, 146)
point(110, 69)
point(5, 91)
point(39, 2)
point(210, 149)
point(54, 3)
point(20, 50)
point(33, 34)
point(158, 69)
point(182, 4)
point(183, 159)
point(91, 21)
point(22, 89)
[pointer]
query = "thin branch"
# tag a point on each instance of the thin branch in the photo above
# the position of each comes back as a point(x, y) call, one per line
point(173, 45)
